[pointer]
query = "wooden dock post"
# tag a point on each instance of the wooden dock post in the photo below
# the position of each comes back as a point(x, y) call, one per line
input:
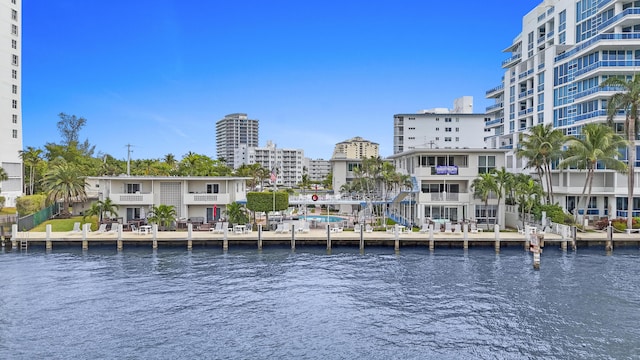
point(48, 232)
point(293, 237)
point(225, 239)
point(190, 231)
point(85, 244)
point(85, 230)
point(189, 244)
point(465, 234)
point(329, 237)
point(432, 243)
point(259, 236)
point(496, 232)
point(14, 236)
point(48, 245)
point(396, 243)
point(361, 238)
point(563, 245)
point(119, 244)
point(608, 247)
point(154, 244)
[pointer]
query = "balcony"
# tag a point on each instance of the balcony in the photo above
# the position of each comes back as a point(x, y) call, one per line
point(494, 107)
point(495, 90)
point(131, 199)
point(511, 61)
point(206, 199)
point(444, 197)
point(494, 122)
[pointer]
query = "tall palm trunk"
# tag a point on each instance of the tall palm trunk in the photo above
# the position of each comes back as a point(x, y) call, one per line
point(631, 131)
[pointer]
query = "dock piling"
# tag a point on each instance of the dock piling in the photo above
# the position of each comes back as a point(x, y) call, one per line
point(259, 236)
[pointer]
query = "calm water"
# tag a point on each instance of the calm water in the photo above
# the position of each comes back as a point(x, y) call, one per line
point(172, 304)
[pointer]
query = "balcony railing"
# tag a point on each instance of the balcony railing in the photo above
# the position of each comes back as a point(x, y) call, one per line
point(206, 199)
point(131, 199)
point(511, 60)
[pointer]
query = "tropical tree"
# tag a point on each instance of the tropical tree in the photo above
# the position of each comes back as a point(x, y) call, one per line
point(3, 175)
point(628, 101)
point(108, 207)
point(596, 145)
point(163, 215)
point(65, 181)
point(237, 213)
point(94, 210)
point(31, 157)
point(504, 181)
point(482, 187)
point(528, 193)
point(541, 147)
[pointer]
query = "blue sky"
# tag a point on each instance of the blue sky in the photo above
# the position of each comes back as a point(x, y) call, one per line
point(158, 74)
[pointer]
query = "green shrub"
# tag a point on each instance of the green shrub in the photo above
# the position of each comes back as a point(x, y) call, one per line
point(2, 202)
point(30, 204)
point(554, 213)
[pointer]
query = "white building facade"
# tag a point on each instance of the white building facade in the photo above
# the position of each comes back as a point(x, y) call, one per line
point(442, 185)
point(288, 164)
point(317, 169)
point(565, 50)
point(192, 197)
point(10, 99)
point(438, 129)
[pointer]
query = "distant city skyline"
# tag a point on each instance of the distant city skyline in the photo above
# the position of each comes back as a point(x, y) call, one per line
point(313, 73)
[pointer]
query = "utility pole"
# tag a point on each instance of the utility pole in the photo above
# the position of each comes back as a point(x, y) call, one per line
point(129, 159)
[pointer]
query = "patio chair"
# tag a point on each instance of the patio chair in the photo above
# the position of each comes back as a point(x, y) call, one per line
point(114, 228)
point(457, 229)
point(248, 228)
point(280, 228)
point(368, 228)
point(102, 228)
point(218, 228)
point(76, 228)
point(134, 229)
point(473, 228)
point(356, 228)
point(424, 229)
point(447, 227)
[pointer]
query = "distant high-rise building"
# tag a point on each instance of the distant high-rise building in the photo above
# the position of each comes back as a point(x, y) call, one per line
point(357, 148)
point(10, 99)
point(440, 128)
point(232, 132)
point(288, 164)
point(317, 169)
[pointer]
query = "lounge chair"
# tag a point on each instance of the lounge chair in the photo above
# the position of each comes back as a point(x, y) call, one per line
point(134, 229)
point(473, 228)
point(303, 227)
point(218, 229)
point(447, 227)
point(280, 228)
point(457, 229)
point(336, 228)
point(424, 228)
point(248, 228)
point(204, 227)
point(114, 228)
point(356, 228)
point(101, 229)
point(368, 228)
point(76, 228)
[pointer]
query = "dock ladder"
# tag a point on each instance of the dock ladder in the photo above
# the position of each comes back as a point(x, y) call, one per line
point(24, 241)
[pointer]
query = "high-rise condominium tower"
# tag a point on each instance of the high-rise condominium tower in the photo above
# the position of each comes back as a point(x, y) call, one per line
point(231, 132)
point(10, 99)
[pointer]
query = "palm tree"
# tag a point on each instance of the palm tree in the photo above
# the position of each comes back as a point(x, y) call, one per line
point(237, 213)
point(541, 147)
point(163, 215)
point(65, 181)
point(482, 187)
point(108, 207)
point(3, 175)
point(628, 100)
point(94, 210)
point(31, 157)
point(528, 192)
point(504, 181)
point(596, 144)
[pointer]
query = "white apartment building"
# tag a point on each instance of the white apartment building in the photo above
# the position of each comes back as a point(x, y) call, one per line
point(440, 128)
point(287, 163)
point(442, 181)
point(233, 131)
point(10, 99)
point(192, 197)
point(564, 51)
point(317, 169)
point(357, 148)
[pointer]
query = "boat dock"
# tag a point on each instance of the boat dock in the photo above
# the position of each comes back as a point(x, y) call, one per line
point(314, 237)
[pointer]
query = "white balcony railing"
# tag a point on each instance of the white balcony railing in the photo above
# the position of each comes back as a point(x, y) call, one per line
point(206, 199)
point(131, 199)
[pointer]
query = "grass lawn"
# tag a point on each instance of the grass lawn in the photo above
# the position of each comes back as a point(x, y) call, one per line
point(8, 211)
point(62, 225)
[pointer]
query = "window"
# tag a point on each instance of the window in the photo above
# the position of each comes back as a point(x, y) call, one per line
point(457, 129)
point(14, 14)
point(457, 139)
point(447, 119)
point(447, 129)
point(14, 104)
point(486, 163)
point(437, 129)
point(132, 188)
point(14, 60)
point(14, 118)
point(14, 44)
point(437, 139)
point(213, 188)
point(14, 29)
point(447, 139)
point(14, 89)
point(14, 73)
point(14, 134)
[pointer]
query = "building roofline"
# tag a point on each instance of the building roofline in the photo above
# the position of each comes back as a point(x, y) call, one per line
point(173, 178)
point(447, 151)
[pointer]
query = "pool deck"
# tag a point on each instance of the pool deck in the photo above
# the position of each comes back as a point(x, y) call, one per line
point(313, 237)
